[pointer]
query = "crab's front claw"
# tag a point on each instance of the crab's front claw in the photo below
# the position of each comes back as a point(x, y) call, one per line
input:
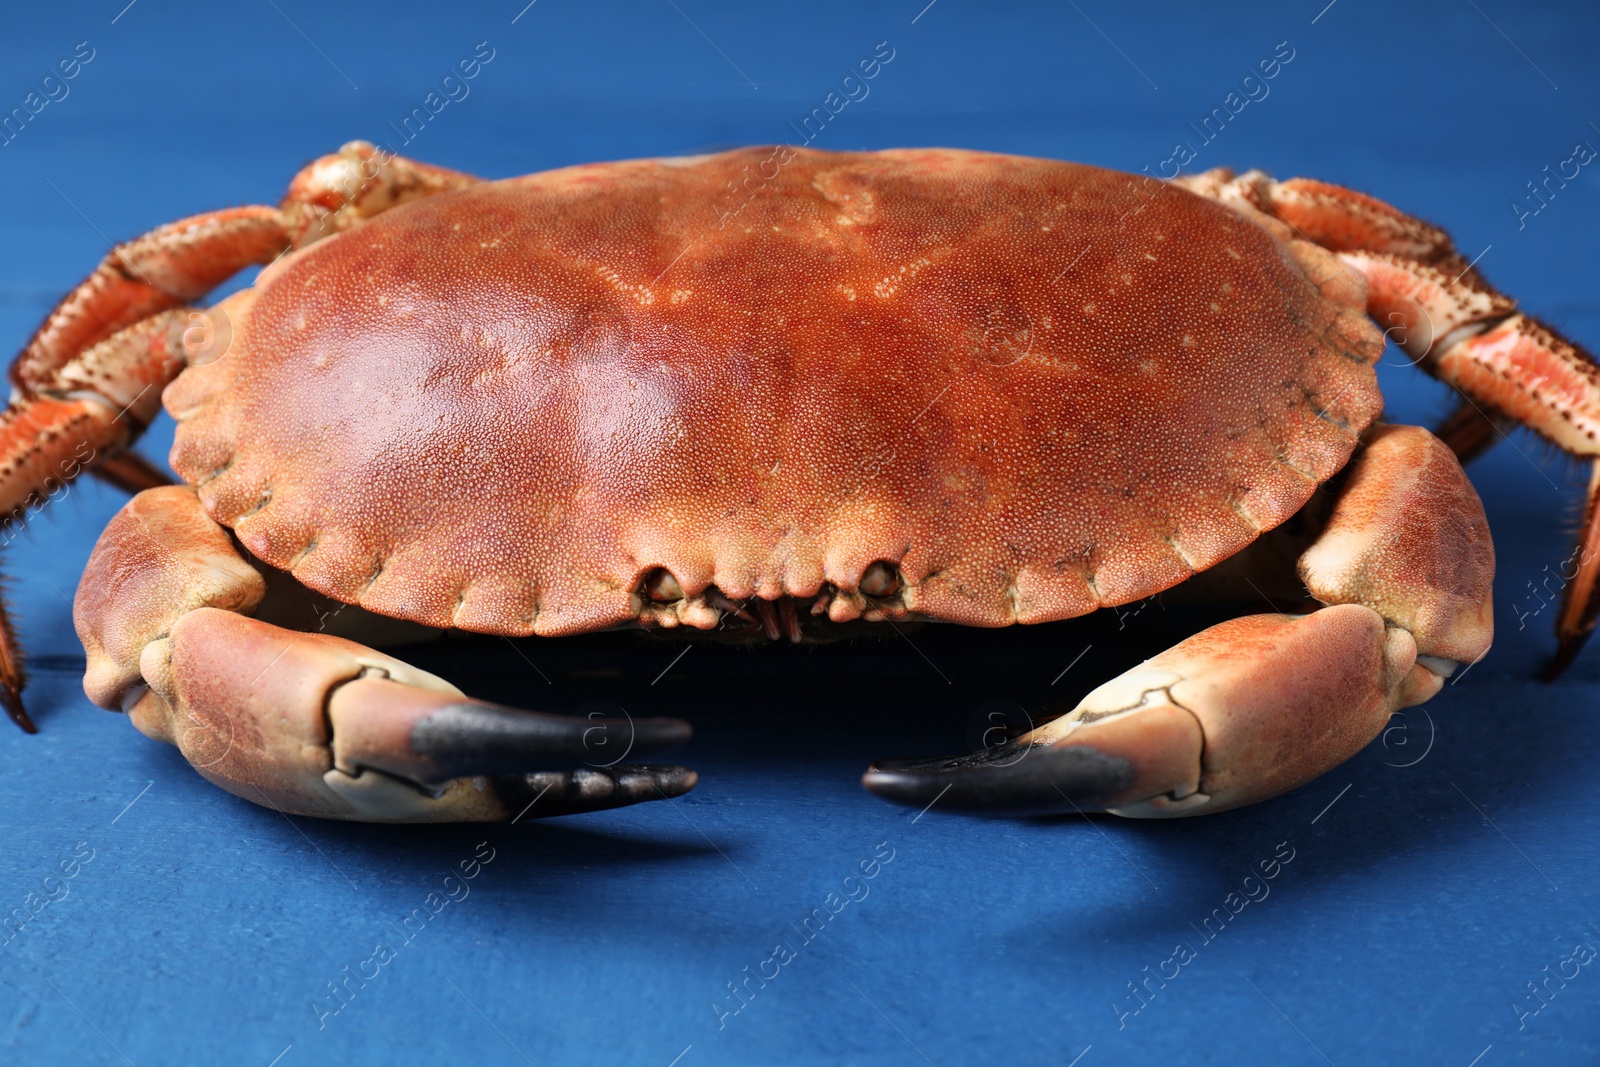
point(1121, 760)
point(438, 741)
point(317, 725)
point(1243, 711)
point(1014, 778)
point(314, 724)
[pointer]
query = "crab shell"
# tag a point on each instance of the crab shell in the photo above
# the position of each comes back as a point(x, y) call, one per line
point(1033, 388)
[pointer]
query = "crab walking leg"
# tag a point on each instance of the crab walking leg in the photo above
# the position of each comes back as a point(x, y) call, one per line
point(125, 331)
point(1470, 431)
point(180, 262)
point(1435, 305)
point(171, 266)
point(1509, 368)
point(318, 725)
point(90, 379)
point(1250, 708)
point(1541, 380)
point(1580, 606)
point(130, 472)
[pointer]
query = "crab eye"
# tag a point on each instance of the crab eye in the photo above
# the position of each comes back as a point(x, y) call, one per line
point(882, 578)
point(661, 587)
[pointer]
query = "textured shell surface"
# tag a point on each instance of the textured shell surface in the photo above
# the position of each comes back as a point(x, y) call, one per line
point(1034, 387)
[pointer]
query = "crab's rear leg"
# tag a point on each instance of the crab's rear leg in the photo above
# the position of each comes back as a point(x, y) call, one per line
point(90, 379)
point(1250, 708)
point(318, 725)
point(1509, 368)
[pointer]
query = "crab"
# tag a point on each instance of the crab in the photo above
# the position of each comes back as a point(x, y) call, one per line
point(788, 392)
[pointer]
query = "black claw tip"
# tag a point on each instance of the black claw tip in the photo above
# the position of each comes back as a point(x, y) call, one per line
point(1566, 652)
point(1008, 779)
point(13, 705)
point(480, 738)
point(548, 793)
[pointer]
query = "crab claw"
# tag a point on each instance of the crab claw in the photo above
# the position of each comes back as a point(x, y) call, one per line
point(429, 738)
point(1243, 711)
point(314, 724)
point(1007, 779)
point(317, 725)
point(11, 699)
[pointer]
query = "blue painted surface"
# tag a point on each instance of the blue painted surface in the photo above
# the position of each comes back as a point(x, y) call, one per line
point(1416, 908)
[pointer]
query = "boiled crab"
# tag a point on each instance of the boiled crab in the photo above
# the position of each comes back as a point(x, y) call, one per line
point(908, 385)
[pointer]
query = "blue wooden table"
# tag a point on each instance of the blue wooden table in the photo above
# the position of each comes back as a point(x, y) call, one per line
point(1425, 893)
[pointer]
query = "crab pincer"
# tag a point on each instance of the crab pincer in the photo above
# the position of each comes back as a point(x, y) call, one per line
point(318, 725)
point(1255, 706)
point(1241, 712)
point(314, 724)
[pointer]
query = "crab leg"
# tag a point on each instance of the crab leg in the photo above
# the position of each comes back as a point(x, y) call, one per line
point(1250, 708)
point(318, 725)
point(1509, 368)
point(1470, 431)
point(1581, 605)
point(130, 472)
point(90, 379)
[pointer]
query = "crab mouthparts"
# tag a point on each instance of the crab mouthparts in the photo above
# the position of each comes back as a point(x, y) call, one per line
point(663, 603)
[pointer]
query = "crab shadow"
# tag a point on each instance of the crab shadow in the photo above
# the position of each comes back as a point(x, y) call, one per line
point(813, 717)
point(787, 724)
